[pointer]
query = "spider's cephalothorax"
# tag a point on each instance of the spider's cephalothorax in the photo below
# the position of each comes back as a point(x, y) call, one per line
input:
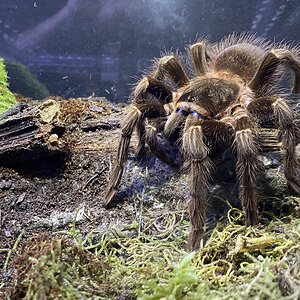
point(233, 87)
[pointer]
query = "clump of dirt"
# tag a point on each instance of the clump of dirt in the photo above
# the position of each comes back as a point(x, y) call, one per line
point(44, 194)
point(47, 258)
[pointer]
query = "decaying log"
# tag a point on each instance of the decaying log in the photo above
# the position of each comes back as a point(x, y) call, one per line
point(31, 134)
point(37, 130)
point(268, 140)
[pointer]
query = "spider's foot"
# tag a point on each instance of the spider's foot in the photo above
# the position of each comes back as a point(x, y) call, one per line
point(194, 239)
point(294, 183)
point(110, 193)
point(252, 217)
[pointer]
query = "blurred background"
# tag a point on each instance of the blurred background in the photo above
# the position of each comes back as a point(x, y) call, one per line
point(79, 48)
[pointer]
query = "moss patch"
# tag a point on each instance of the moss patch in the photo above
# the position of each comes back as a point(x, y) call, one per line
point(7, 99)
point(146, 260)
point(24, 82)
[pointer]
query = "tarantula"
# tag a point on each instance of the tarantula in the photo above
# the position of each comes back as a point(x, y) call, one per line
point(219, 101)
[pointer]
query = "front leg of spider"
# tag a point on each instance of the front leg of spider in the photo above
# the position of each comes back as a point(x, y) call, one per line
point(247, 163)
point(196, 156)
point(134, 118)
point(149, 97)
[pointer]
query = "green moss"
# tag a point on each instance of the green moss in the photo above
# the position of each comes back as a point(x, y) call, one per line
point(147, 260)
point(58, 269)
point(22, 81)
point(7, 99)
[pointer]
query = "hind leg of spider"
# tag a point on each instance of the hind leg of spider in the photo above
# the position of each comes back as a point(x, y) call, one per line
point(289, 134)
point(137, 114)
point(196, 156)
point(264, 76)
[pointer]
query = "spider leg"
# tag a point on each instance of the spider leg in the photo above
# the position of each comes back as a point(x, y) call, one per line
point(155, 90)
point(158, 149)
point(289, 134)
point(168, 67)
point(199, 58)
point(137, 113)
point(149, 96)
point(247, 163)
point(196, 155)
point(267, 74)
point(151, 86)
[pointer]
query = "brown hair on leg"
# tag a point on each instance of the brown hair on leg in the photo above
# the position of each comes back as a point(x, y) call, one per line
point(196, 155)
point(169, 65)
point(289, 134)
point(199, 58)
point(128, 125)
point(247, 164)
point(136, 115)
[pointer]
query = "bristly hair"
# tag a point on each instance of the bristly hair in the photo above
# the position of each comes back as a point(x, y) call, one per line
point(290, 46)
point(188, 58)
point(242, 38)
point(221, 105)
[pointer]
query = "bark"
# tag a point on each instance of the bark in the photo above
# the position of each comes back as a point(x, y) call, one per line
point(31, 133)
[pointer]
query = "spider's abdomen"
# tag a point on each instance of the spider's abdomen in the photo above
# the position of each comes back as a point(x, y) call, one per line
point(241, 59)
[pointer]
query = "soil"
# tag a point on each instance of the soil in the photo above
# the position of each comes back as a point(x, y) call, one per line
point(46, 194)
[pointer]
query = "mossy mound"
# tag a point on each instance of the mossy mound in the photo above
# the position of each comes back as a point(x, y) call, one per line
point(147, 260)
point(23, 82)
point(7, 99)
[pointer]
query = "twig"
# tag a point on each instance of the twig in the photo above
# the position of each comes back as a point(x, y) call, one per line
point(98, 173)
point(252, 283)
point(14, 249)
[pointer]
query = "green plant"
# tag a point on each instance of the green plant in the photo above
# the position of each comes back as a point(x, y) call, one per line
point(180, 280)
point(22, 81)
point(7, 99)
point(145, 259)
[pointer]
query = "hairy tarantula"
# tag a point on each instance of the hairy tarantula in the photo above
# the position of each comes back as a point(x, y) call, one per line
point(232, 88)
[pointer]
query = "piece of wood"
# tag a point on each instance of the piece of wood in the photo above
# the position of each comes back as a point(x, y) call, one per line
point(31, 134)
point(36, 131)
point(268, 140)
